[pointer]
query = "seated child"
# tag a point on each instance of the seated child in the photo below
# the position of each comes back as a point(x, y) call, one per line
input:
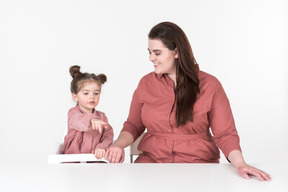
point(88, 129)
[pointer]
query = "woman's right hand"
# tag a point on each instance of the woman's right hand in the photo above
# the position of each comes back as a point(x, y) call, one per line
point(115, 154)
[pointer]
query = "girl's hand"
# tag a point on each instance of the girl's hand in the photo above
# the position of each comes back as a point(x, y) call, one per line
point(98, 125)
point(246, 170)
point(99, 153)
point(115, 154)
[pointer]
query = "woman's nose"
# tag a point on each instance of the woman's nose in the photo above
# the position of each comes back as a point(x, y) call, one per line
point(152, 57)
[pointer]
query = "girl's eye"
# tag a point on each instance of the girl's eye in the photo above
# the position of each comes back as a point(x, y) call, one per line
point(96, 93)
point(85, 93)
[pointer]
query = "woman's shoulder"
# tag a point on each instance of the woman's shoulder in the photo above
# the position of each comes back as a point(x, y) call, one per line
point(148, 79)
point(206, 79)
point(149, 76)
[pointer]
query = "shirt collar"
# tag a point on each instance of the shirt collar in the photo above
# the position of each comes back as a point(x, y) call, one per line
point(77, 106)
point(160, 75)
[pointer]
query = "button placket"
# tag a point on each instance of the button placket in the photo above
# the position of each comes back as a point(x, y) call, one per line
point(170, 148)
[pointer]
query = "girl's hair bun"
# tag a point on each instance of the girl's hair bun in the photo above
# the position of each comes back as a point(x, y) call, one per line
point(102, 78)
point(75, 71)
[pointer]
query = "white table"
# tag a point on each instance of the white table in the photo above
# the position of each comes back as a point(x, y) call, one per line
point(137, 177)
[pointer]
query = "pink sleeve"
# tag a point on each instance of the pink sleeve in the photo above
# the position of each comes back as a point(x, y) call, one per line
point(79, 121)
point(107, 136)
point(222, 123)
point(134, 124)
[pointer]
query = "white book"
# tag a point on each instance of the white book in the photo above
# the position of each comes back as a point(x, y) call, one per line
point(70, 158)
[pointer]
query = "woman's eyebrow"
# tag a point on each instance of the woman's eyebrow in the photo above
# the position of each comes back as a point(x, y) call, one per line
point(154, 50)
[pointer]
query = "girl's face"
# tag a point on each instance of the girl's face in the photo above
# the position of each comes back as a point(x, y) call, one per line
point(88, 96)
point(162, 58)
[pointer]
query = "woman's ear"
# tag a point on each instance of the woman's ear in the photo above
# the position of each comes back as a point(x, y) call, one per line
point(74, 96)
point(176, 53)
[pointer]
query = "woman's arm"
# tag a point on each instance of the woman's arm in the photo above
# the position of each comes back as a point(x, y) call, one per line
point(237, 160)
point(115, 153)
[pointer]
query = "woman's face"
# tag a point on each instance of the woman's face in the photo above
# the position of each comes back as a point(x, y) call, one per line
point(162, 58)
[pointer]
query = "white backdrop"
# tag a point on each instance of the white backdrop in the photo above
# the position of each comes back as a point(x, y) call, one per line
point(243, 43)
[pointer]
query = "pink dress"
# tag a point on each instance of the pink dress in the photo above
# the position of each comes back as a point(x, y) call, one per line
point(153, 108)
point(81, 138)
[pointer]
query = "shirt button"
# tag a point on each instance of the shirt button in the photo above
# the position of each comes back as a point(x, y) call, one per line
point(170, 146)
point(170, 161)
point(169, 130)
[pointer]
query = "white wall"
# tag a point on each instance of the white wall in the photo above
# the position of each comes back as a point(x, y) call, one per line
point(243, 43)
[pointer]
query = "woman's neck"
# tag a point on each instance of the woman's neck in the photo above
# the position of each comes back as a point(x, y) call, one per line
point(172, 76)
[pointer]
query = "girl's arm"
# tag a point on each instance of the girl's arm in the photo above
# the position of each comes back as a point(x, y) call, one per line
point(237, 160)
point(79, 121)
point(115, 153)
point(106, 139)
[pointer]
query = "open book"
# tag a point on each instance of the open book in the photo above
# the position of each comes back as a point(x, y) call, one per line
point(72, 158)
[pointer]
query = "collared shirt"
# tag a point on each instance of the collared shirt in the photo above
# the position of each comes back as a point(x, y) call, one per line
point(81, 138)
point(153, 107)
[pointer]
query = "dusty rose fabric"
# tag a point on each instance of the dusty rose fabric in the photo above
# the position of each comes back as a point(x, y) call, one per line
point(153, 107)
point(81, 138)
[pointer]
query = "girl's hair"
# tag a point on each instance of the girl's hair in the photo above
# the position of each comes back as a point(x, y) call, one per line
point(173, 37)
point(80, 78)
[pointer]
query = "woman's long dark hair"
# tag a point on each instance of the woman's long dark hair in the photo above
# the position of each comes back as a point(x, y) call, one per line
point(173, 37)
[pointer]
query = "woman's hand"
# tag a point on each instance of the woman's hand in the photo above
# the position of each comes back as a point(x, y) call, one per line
point(99, 153)
point(98, 125)
point(115, 154)
point(246, 170)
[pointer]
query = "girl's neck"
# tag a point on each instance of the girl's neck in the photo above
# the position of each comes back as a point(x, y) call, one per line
point(86, 110)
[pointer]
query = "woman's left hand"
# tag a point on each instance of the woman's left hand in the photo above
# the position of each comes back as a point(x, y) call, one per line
point(246, 170)
point(236, 158)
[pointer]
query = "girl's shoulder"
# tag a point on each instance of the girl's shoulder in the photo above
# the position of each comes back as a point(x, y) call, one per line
point(101, 115)
point(76, 108)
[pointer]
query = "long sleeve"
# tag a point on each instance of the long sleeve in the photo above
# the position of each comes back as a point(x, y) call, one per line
point(134, 124)
point(79, 121)
point(107, 136)
point(222, 123)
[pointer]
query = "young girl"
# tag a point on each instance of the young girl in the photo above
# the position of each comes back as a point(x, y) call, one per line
point(88, 129)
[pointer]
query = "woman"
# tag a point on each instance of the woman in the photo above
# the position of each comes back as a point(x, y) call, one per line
point(178, 104)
